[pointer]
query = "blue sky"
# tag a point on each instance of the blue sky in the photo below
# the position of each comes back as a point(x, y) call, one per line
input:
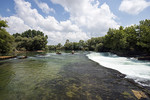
point(72, 19)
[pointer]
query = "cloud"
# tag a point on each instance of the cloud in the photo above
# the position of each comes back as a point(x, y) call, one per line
point(133, 7)
point(76, 35)
point(28, 18)
point(16, 24)
point(87, 19)
point(89, 15)
point(69, 27)
point(44, 7)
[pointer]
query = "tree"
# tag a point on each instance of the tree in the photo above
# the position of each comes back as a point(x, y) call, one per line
point(99, 47)
point(82, 45)
point(144, 35)
point(3, 24)
point(31, 40)
point(6, 39)
point(68, 45)
point(67, 41)
point(52, 47)
point(75, 46)
point(132, 39)
point(59, 46)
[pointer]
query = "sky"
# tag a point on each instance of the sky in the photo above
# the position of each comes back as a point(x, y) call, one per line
point(72, 19)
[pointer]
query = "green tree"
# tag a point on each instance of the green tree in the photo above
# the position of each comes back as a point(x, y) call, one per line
point(52, 47)
point(6, 40)
point(59, 46)
point(3, 24)
point(132, 39)
point(116, 39)
point(82, 45)
point(31, 40)
point(68, 45)
point(144, 36)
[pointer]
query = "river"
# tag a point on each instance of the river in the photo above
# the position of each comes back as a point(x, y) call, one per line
point(48, 76)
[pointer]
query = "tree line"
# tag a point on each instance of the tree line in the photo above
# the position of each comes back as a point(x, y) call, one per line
point(134, 40)
point(130, 40)
point(30, 40)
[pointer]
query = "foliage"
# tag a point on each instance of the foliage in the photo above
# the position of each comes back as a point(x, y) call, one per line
point(75, 45)
point(6, 40)
point(92, 43)
point(115, 39)
point(59, 46)
point(144, 35)
point(134, 39)
point(52, 47)
point(31, 40)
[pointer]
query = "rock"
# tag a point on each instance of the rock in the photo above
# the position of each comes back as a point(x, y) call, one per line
point(58, 52)
point(72, 52)
point(139, 94)
point(22, 57)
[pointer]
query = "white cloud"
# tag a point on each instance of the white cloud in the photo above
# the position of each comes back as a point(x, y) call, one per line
point(28, 18)
point(87, 19)
point(68, 26)
point(16, 24)
point(133, 7)
point(76, 36)
point(89, 15)
point(60, 37)
point(44, 7)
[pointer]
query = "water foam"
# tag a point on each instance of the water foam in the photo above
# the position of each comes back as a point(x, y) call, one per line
point(135, 69)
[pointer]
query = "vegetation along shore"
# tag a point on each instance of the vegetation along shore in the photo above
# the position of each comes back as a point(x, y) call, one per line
point(131, 41)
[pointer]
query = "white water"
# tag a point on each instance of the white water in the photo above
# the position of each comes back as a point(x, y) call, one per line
point(133, 68)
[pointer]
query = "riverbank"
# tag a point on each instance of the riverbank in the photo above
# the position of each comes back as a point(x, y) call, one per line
point(6, 57)
point(19, 52)
point(137, 55)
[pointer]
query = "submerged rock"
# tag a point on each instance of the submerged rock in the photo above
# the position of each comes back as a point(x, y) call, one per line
point(58, 52)
point(139, 94)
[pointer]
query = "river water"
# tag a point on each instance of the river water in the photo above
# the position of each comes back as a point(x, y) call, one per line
point(48, 76)
point(133, 68)
point(34, 78)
